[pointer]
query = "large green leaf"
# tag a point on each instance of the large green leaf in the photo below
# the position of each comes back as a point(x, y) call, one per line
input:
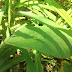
point(46, 39)
point(50, 38)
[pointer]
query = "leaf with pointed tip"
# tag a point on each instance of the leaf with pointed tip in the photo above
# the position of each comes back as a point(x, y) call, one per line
point(46, 39)
point(50, 38)
point(43, 20)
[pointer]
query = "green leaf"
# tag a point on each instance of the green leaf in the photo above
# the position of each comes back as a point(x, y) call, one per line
point(21, 1)
point(43, 20)
point(60, 19)
point(26, 4)
point(67, 67)
point(9, 12)
point(50, 15)
point(7, 32)
point(46, 7)
point(41, 11)
point(46, 39)
point(1, 13)
point(60, 11)
point(6, 51)
point(36, 11)
point(38, 62)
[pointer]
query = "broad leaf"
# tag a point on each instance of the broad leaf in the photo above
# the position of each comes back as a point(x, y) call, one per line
point(46, 39)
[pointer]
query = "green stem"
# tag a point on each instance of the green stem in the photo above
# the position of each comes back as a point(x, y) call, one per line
point(9, 14)
point(28, 2)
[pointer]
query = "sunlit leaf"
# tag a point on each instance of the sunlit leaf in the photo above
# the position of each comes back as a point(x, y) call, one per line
point(46, 39)
point(60, 11)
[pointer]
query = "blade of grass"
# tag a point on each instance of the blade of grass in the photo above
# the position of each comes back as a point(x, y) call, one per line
point(25, 4)
point(24, 56)
point(1, 13)
point(46, 7)
point(50, 15)
point(60, 11)
point(9, 12)
point(36, 11)
point(38, 61)
point(39, 18)
point(5, 52)
point(60, 19)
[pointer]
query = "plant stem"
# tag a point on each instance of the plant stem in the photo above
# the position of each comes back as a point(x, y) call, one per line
point(9, 13)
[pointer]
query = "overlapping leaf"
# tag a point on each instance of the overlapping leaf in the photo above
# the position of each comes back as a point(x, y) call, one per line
point(6, 51)
point(60, 11)
point(49, 39)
